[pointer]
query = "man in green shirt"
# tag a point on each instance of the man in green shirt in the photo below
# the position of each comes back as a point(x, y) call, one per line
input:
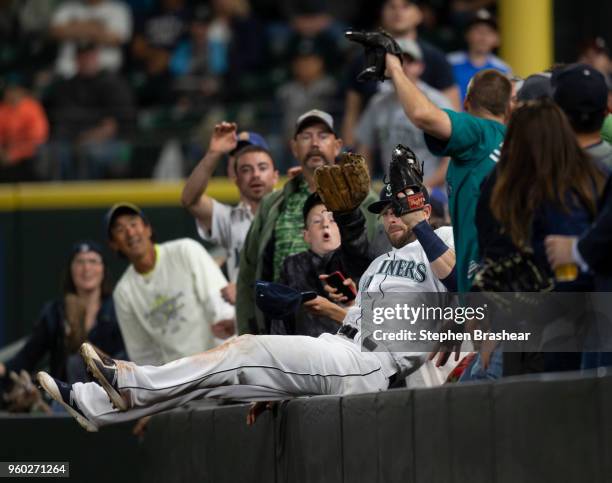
point(473, 141)
point(276, 231)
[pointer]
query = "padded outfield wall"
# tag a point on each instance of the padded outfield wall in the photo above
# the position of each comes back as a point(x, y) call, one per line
point(540, 429)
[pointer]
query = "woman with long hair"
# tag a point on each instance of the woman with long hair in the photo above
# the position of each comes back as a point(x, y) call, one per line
point(84, 313)
point(544, 184)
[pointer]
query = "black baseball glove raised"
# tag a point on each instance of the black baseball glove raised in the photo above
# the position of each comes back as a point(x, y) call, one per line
point(406, 177)
point(376, 45)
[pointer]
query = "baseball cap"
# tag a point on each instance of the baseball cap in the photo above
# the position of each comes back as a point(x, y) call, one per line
point(536, 86)
point(121, 209)
point(579, 90)
point(386, 197)
point(482, 16)
point(276, 300)
point(249, 138)
point(313, 200)
point(83, 246)
point(411, 47)
point(314, 116)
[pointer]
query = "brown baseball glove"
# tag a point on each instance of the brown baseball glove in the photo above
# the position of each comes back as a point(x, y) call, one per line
point(343, 186)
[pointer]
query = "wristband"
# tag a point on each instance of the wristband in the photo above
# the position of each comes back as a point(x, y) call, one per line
point(433, 246)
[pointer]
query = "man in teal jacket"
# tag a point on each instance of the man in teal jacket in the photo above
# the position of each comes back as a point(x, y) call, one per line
point(472, 139)
point(276, 231)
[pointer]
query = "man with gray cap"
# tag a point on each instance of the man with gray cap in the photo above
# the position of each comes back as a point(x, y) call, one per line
point(168, 301)
point(384, 123)
point(276, 231)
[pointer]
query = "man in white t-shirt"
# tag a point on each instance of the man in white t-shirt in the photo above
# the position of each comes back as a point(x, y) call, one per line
point(168, 300)
point(276, 367)
point(252, 168)
point(104, 22)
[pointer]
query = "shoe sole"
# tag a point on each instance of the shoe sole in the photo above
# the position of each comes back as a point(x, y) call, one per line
point(49, 386)
point(89, 355)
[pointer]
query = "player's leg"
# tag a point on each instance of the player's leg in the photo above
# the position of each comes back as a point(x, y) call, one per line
point(96, 409)
point(290, 365)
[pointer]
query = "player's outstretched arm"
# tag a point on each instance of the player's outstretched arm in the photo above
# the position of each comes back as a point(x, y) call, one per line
point(419, 109)
point(441, 257)
point(223, 140)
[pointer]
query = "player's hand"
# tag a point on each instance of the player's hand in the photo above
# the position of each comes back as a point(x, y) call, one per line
point(559, 249)
point(444, 353)
point(2, 370)
point(333, 293)
point(229, 293)
point(443, 350)
point(140, 427)
point(392, 63)
point(224, 328)
point(326, 308)
point(224, 138)
point(413, 218)
point(256, 409)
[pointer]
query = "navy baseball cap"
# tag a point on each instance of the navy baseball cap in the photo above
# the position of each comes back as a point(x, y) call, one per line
point(83, 246)
point(121, 209)
point(580, 89)
point(536, 86)
point(386, 197)
point(276, 300)
point(250, 139)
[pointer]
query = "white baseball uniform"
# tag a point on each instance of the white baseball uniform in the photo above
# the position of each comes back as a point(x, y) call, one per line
point(270, 367)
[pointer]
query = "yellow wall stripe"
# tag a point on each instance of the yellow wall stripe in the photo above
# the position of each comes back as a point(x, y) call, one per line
point(102, 194)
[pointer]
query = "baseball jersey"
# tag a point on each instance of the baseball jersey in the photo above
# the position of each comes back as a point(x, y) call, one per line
point(384, 125)
point(474, 148)
point(229, 228)
point(464, 70)
point(405, 269)
point(167, 313)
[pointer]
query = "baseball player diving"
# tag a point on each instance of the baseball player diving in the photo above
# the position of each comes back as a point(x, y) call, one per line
point(270, 367)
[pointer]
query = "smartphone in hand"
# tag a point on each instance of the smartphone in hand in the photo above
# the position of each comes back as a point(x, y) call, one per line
point(336, 280)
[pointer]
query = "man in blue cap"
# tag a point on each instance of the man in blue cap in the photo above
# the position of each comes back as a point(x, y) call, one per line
point(252, 168)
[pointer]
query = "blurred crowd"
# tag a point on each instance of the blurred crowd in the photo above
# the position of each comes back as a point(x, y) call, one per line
point(515, 166)
point(96, 89)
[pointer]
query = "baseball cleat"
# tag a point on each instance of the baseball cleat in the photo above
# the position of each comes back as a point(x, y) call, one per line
point(62, 393)
point(104, 370)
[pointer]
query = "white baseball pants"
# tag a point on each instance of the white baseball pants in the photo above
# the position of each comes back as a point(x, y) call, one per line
point(247, 368)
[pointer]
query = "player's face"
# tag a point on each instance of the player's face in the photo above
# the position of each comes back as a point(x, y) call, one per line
point(398, 233)
point(316, 146)
point(131, 236)
point(400, 16)
point(87, 270)
point(321, 232)
point(482, 38)
point(255, 175)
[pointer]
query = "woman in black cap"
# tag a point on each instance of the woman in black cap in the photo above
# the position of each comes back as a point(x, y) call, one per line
point(84, 313)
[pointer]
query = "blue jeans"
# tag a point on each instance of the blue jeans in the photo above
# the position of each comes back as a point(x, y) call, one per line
point(475, 371)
